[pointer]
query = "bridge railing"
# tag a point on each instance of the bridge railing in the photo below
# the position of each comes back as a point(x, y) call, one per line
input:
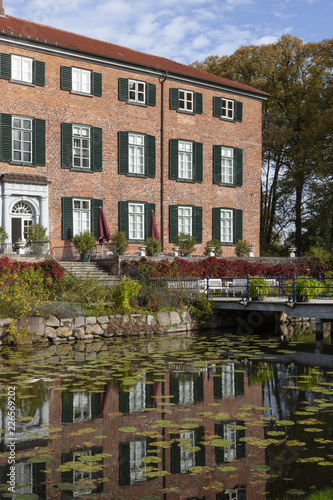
point(295, 289)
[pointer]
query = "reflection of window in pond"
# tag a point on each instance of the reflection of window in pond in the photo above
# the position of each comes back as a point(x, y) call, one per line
point(31, 476)
point(230, 383)
point(181, 458)
point(235, 494)
point(79, 477)
point(130, 455)
point(136, 399)
point(186, 388)
point(236, 449)
point(80, 406)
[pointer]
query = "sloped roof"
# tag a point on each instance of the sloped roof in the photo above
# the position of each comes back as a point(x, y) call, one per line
point(46, 35)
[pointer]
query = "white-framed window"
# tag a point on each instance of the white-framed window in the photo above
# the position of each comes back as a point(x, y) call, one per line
point(186, 100)
point(228, 109)
point(137, 91)
point(227, 165)
point(186, 392)
point(138, 450)
point(81, 407)
point(81, 216)
point(230, 451)
point(137, 397)
point(227, 224)
point(81, 80)
point(21, 68)
point(81, 146)
point(187, 458)
point(185, 220)
point(228, 381)
point(185, 159)
point(22, 139)
point(136, 221)
point(136, 154)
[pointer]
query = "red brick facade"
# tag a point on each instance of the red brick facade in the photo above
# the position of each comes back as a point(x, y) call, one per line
point(108, 112)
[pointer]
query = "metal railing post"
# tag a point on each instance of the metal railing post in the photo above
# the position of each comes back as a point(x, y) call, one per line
point(280, 285)
point(248, 288)
point(294, 289)
point(208, 287)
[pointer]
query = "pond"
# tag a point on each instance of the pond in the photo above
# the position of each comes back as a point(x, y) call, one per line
point(207, 416)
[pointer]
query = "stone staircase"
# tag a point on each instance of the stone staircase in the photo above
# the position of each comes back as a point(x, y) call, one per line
point(89, 269)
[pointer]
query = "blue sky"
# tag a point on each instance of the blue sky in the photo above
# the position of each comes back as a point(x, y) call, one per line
point(186, 30)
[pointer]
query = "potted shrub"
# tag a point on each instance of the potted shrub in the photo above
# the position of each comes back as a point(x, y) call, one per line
point(119, 243)
point(259, 288)
point(185, 242)
point(153, 246)
point(37, 238)
point(307, 288)
point(84, 242)
point(3, 238)
point(242, 248)
point(215, 244)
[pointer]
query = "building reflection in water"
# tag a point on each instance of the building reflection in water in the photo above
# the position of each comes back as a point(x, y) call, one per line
point(193, 392)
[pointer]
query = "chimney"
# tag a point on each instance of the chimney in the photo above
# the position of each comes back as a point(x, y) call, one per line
point(2, 10)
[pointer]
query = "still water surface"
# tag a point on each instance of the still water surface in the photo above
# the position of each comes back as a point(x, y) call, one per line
point(217, 417)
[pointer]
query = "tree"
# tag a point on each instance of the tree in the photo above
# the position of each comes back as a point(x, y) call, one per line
point(297, 124)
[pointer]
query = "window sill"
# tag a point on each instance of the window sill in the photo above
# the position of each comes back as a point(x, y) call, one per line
point(227, 184)
point(21, 82)
point(185, 112)
point(85, 170)
point(22, 163)
point(140, 104)
point(187, 181)
point(230, 120)
point(81, 93)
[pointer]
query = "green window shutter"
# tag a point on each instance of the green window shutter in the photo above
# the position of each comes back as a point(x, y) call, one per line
point(217, 164)
point(151, 94)
point(123, 89)
point(67, 408)
point(95, 204)
point(6, 137)
point(198, 103)
point(197, 224)
point(124, 464)
point(123, 217)
point(124, 402)
point(238, 225)
point(217, 106)
point(216, 233)
point(198, 162)
point(173, 222)
point(39, 142)
point(238, 166)
point(148, 208)
point(66, 78)
point(5, 66)
point(66, 145)
point(173, 159)
point(123, 152)
point(97, 84)
point(150, 153)
point(238, 111)
point(174, 98)
point(39, 70)
point(97, 149)
point(198, 388)
point(67, 218)
point(200, 455)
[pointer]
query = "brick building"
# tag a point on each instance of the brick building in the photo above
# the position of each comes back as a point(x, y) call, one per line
point(85, 123)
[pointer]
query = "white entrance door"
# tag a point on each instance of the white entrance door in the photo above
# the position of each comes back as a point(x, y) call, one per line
point(22, 216)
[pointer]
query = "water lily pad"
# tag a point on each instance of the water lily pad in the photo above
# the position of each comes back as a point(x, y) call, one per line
point(312, 429)
point(127, 429)
point(284, 422)
point(221, 443)
point(27, 496)
point(151, 460)
point(227, 469)
point(260, 468)
point(276, 433)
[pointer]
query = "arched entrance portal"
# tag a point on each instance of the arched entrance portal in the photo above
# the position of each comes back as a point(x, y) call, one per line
point(22, 216)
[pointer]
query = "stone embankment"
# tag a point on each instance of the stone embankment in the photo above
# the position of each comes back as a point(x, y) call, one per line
point(81, 328)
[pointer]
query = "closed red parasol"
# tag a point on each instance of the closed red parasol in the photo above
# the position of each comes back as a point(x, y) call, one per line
point(103, 231)
point(153, 232)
